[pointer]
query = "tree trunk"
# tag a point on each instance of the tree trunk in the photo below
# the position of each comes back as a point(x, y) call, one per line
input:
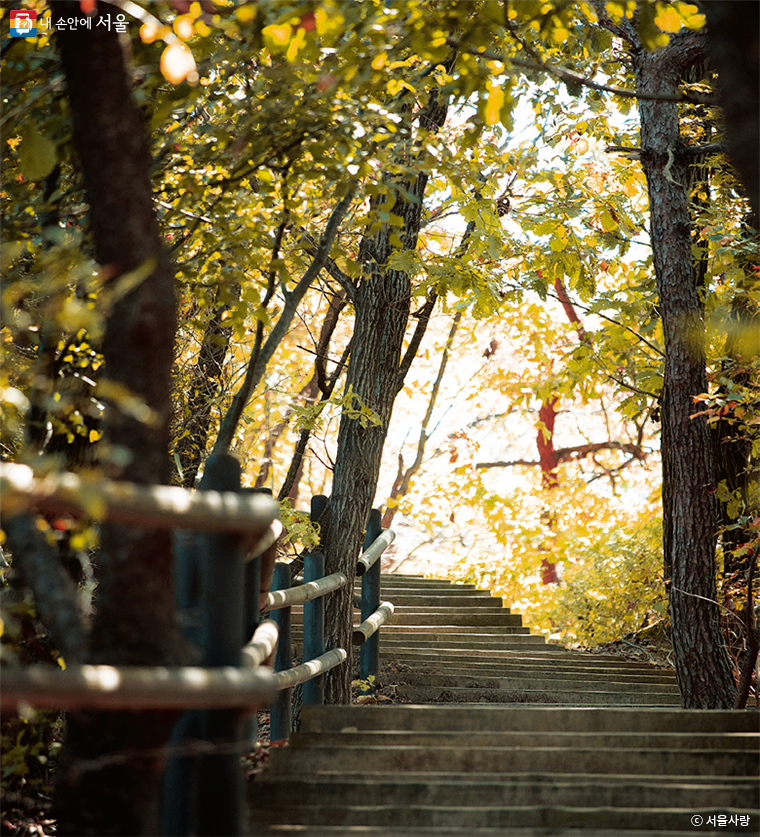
point(382, 304)
point(382, 312)
point(104, 786)
point(203, 387)
point(689, 511)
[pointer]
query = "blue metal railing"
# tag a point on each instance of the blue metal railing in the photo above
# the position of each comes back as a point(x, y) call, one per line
point(224, 549)
point(317, 661)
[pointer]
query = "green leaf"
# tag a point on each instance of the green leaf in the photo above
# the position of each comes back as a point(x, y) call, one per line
point(38, 154)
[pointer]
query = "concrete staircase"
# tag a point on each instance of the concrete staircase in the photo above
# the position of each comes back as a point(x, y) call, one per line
point(464, 647)
point(611, 755)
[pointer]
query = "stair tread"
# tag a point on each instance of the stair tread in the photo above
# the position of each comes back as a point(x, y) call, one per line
point(506, 733)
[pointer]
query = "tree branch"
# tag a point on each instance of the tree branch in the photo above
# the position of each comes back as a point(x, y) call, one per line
point(574, 79)
point(343, 279)
point(575, 452)
point(423, 318)
point(259, 360)
point(54, 591)
point(404, 477)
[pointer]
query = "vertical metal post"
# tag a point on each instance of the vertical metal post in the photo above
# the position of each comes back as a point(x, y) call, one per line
point(369, 656)
point(202, 795)
point(318, 504)
point(181, 780)
point(280, 713)
point(250, 623)
point(313, 628)
point(221, 790)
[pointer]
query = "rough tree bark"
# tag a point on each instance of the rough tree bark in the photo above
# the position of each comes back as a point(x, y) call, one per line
point(702, 664)
point(375, 374)
point(101, 789)
point(203, 387)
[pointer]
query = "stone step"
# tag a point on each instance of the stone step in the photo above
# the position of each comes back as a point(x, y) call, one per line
point(578, 662)
point(458, 616)
point(558, 696)
point(504, 818)
point(426, 602)
point(304, 760)
point(500, 639)
point(422, 581)
point(513, 647)
point(520, 737)
point(451, 617)
point(558, 682)
point(422, 831)
point(438, 588)
point(532, 738)
point(274, 830)
point(515, 718)
point(498, 790)
point(539, 670)
point(414, 633)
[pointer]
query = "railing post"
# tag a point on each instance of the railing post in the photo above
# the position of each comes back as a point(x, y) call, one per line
point(369, 656)
point(221, 791)
point(313, 627)
point(211, 579)
point(280, 712)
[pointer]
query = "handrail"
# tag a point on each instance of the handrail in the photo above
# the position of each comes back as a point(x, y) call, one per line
point(379, 545)
point(223, 541)
point(315, 660)
point(290, 677)
point(157, 506)
point(230, 681)
point(305, 592)
point(128, 687)
point(262, 645)
point(369, 626)
point(266, 541)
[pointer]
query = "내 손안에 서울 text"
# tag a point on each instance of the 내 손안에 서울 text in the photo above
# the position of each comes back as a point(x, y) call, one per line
point(24, 24)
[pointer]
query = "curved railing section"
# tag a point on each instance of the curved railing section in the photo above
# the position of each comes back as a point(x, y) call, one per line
point(316, 659)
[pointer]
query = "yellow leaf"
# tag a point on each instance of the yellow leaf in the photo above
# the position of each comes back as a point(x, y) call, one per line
point(247, 13)
point(493, 105)
point(277, 35)
point(152, 31)
point(668, 20)
point(38, 154)
point(295, 44)
point(184, 28)
point(691, 17)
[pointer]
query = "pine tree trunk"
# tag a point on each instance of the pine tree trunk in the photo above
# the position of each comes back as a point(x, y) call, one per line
point(702, 664)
